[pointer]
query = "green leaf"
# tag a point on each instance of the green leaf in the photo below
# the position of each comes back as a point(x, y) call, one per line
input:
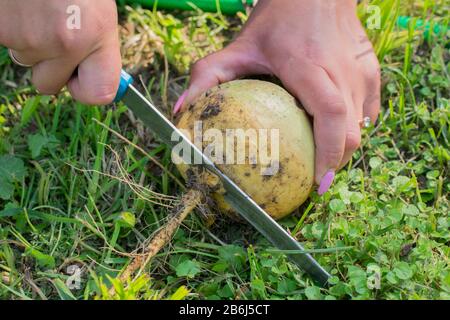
point(313, 293)
point(446, 281)
point(345, 195)
point(433, 174)
point(233, 255)
point(29, 109)
point(339, 290)
point(259, 287)
point(395, 215)
point(11, 170)
point(35, 143)
point(188, 268)
point(126, 220)
point(10, 210)
point(337, 206)
point(356, 197)
point(63, 291)
point(410, 210)
point(375, 162)
point(226, 291)
point(209, 288)
point(286, 286)
point(358, 279)
point(400, 183)
point(403, 271)
point(317, 229)
point(390, 276)
point(180, 294)
point(43, 260)
point(333, 280)
point(220, 266)
point(6, 189)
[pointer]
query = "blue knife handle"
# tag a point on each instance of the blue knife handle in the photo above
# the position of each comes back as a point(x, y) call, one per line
point(125, 81)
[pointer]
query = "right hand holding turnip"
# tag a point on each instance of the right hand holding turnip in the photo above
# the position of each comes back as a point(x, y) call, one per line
point(320, 51)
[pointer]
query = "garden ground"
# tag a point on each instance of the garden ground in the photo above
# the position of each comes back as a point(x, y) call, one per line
point(82, 188)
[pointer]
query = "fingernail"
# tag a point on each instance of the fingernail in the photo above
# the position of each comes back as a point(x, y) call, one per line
point(179, 103)
point(326, 182)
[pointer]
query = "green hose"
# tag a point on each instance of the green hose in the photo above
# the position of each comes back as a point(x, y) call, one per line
point(228, 7)
point(403, 22)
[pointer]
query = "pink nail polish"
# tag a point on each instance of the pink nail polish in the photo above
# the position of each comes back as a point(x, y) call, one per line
point(326, 182)
point(179, 103)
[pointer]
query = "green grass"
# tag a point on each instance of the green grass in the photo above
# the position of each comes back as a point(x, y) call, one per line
point(65, 201)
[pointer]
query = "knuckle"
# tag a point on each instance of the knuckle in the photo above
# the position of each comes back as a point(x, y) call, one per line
point(68, 40)
point(97, 25)
point(332, 156)
point(353, 141)
point(285, 68)
point(373, 102)
point(197, 66)
point(200, 66)
point(103, 22)
point(377, 108)
point(30, 41)
point(314, 51)
point(334, 106)
point(372, 72)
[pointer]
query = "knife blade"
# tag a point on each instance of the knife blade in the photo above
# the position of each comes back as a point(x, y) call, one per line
point(243, 204)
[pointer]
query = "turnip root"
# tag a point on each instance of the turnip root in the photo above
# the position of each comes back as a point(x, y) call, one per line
point(188, 203)
point(253, 104)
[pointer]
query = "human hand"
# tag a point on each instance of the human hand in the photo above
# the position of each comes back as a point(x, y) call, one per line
point(87, 59)
point(320, 52)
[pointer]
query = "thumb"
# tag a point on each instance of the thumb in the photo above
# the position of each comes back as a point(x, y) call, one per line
point(240, 58)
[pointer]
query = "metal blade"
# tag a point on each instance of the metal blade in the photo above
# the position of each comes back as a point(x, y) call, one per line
point(238, 199)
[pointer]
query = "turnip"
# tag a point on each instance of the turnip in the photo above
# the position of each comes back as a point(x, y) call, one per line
point(253, 104)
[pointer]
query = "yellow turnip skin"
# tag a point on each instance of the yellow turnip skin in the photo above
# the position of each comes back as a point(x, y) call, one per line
point(245, 104)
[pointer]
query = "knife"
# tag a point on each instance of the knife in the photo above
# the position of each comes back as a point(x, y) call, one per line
point(235, 196)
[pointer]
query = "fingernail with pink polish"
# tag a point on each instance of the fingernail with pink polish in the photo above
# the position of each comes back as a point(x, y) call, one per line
point(326, 182)
point(179, 103)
